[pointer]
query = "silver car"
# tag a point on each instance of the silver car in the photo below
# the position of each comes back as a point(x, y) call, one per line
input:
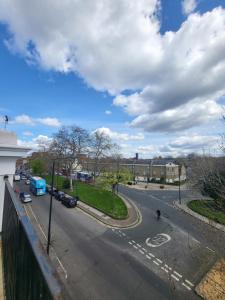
point(25, 198)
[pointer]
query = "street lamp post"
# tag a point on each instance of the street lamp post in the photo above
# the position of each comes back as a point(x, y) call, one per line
point(50, 209)
point(179, 170)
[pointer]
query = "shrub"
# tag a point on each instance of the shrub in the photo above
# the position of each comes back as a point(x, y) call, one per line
point(66, 184)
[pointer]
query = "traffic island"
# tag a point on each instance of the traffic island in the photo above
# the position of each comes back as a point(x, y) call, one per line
point(212, 286)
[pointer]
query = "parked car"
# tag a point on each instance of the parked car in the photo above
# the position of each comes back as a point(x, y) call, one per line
point(27, 181)
point(25, 197)
point(23, 177)
point(16, 177)
point(69, 201)
point(52, 192)
point(59, 195)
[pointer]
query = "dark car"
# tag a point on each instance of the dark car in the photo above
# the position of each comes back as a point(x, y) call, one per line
point(52, 192)
point(69, 201)
point(25, 197)
point(59, 195)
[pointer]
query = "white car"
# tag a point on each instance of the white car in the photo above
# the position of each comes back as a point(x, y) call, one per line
point(27, 181)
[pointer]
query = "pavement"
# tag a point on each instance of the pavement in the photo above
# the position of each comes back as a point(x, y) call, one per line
point(183, 206)
point(156, 186)
point(133, 219)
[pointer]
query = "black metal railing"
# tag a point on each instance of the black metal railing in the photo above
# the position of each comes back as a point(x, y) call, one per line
point(28, 273)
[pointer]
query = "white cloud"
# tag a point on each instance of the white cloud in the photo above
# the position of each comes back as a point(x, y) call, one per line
point(195, 142)
point(177, 119)
point(121, 48)
point(37, 143)
point(27, 133)
point(188, 6)
point(24, 119)
point(120, 136)
point(53, 122)
point(108, 112)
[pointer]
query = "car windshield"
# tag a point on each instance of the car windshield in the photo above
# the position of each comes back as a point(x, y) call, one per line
point(27, 196)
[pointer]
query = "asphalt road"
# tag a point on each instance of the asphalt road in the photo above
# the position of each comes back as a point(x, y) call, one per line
point(138, 263)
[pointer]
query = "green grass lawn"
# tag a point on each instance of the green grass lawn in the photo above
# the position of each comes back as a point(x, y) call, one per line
point(207, 208)
point(103, 200)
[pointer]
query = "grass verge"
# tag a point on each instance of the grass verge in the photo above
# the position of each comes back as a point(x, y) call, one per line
point(207, 208)
point(103, 200)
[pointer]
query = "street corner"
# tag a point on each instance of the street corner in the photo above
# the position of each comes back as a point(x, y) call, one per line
point(212, 286)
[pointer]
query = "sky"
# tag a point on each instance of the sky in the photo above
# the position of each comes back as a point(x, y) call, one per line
point(149, 73)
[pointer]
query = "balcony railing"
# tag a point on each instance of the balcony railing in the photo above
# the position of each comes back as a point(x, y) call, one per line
point(28, 273)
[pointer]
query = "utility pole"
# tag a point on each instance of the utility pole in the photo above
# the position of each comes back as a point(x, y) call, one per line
point(50, 209)
point(179, 170)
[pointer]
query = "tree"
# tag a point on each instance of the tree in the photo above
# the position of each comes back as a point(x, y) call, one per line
point(68, 144)
point(38, 166)
point(101, 145)
point(208, 176)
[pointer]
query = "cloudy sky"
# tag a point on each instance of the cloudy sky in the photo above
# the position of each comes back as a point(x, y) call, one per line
point(149, 73)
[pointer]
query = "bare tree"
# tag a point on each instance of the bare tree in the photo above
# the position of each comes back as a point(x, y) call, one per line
point(101, 145)
point(68, 144)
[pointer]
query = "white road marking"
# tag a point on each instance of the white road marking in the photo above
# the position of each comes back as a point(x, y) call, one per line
point(142, 252)
point(177, 279)
point(130, 243)
point(155, 262)
point(196, 240)
point(159, 260)
point(187, 281)
point(158, 240)
point(178, 274)
point(123, 234)
point(139, 245)
point(152, 255)
point(133, 241)
point(164, 269)
point(210, 249)
point(113, 229)
point(144, 249)
point(148, 257)
point(187, 287)
point(135, 247)
point(168, 267)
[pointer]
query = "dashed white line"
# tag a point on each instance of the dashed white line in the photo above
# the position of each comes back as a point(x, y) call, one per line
point(152, 255)
point(187, 287)
point(187, 281)
point(133, 241)
point(177, 279)
point(155, 262)
point(144, 249)
point(123, 234)
point(135, 247)
point(139, 245)
point(164, 269)
point(142, 252)
point(210, 249)
point(159, 260)
point(178, 274)
point(130, 243)
point(148, 257)
point(168, 267)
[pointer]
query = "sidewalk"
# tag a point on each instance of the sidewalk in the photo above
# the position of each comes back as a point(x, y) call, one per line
point(183, 206)
point(134, 215)
point(156, 186)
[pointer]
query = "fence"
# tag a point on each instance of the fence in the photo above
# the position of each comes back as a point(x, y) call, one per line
point(28, 273)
